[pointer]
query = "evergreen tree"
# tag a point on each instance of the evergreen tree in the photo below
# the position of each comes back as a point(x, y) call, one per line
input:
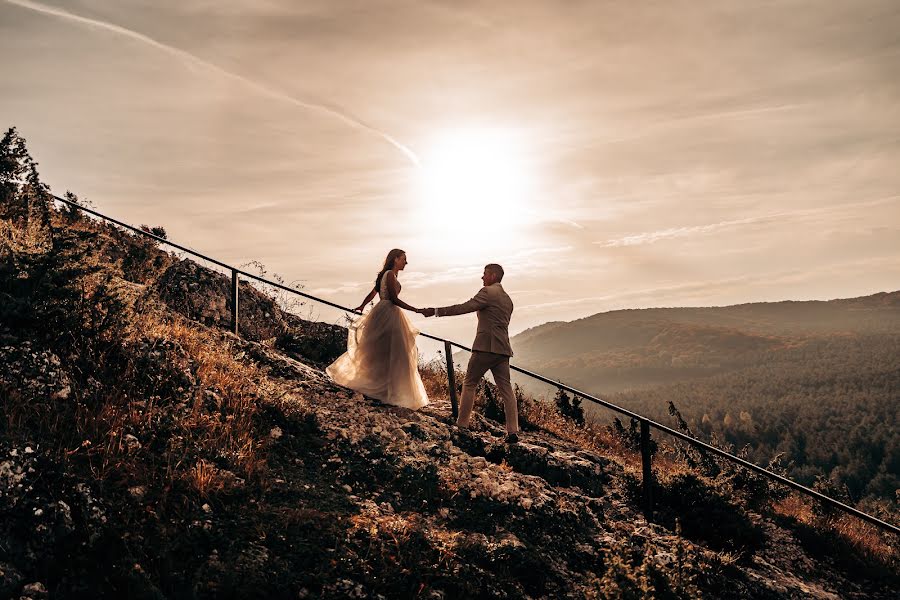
point(568, 406)
point(23, 198)
point(577, 412)
point(563, 402)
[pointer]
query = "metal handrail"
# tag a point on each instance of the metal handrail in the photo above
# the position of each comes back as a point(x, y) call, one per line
point(645, 422)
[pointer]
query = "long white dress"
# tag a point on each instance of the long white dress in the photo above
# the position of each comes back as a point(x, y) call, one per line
point(382, 360)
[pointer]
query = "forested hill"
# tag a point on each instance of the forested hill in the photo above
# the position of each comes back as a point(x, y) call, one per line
point(816, 381)
point(624, 349)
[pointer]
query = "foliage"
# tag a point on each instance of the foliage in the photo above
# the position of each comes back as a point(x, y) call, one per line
point(828, 408)
point(24, 199)
point(697, 505)
point(287, 301)
point(158, 231)
point(569, 406)
point(73, 213)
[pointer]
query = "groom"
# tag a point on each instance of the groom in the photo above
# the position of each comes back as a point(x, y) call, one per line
point(491, 350)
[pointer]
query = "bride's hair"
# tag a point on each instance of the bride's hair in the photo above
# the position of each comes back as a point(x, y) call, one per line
point(388, 265)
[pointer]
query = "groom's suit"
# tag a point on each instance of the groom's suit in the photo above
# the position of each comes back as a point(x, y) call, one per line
point(491, 350)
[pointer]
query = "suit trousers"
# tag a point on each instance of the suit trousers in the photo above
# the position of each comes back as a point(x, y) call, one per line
point(498, 364)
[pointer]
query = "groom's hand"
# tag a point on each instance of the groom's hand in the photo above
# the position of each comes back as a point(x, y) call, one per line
point(428, 312)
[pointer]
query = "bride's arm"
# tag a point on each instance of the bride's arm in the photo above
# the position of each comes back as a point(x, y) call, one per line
point(392, 288)
point(366, 301)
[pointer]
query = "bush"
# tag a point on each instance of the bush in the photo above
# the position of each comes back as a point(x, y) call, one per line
point(569, 406)
point(705, 514)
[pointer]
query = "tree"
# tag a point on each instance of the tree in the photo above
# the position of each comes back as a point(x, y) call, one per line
point(577, 412)
point(569, 407)
point(23, 198)
point(563, 402)
point(158, 231)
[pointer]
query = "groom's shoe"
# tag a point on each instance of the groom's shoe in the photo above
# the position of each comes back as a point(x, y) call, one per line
point(512, 438)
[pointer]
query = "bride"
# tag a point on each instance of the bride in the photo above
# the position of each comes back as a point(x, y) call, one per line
point(382, 360)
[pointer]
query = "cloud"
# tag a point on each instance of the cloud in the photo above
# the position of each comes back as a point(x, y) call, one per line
point(651, 237)
point(677, 294)
point(190, 59)
point(325, 292)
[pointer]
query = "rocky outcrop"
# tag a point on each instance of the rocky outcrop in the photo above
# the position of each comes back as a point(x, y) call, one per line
point(204, 295)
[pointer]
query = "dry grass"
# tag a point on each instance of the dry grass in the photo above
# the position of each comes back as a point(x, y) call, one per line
point(434, 378)
point(867, 540)
point(543, 414)
point(120, 422)
point(205, 479)
point(115, 431)
point(225, 403)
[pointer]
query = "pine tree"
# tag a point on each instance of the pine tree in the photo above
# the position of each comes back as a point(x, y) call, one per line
point(563, 402)
point(577, 412)
point(568, 406)
point(24, 199)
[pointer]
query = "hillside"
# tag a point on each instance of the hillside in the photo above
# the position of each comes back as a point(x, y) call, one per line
point(145, 452)
point(618, 350)
point(817, 383)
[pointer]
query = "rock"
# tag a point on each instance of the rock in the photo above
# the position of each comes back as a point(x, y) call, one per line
point(62, 394)
point(35, 591)
point(10, 580)
point(132, 443)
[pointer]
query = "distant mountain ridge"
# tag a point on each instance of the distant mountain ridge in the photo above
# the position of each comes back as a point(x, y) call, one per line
point(634, 348)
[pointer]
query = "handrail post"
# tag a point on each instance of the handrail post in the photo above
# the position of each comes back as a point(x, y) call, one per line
point(647, 469)
point(234, 301)
point(451, 379)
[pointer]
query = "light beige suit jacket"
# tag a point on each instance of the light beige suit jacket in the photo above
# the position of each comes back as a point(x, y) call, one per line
point(494, 308)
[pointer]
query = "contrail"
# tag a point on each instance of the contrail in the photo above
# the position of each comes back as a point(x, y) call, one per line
point(652, 237)
point(189, 58)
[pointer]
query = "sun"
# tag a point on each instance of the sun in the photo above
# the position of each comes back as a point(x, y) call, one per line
point(473, 179)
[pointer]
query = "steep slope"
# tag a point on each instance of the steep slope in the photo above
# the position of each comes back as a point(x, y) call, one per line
point(147, 453)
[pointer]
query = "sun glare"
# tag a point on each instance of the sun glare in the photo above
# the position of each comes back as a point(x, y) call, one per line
point(471, 178)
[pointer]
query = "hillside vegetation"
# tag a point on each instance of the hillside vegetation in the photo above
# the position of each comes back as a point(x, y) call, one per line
point(816, 383)
point(145, 452)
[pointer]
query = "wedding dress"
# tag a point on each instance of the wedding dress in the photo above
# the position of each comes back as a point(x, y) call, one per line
point(382, 360)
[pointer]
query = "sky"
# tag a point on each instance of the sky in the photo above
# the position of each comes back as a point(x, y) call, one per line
point(608, 154)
